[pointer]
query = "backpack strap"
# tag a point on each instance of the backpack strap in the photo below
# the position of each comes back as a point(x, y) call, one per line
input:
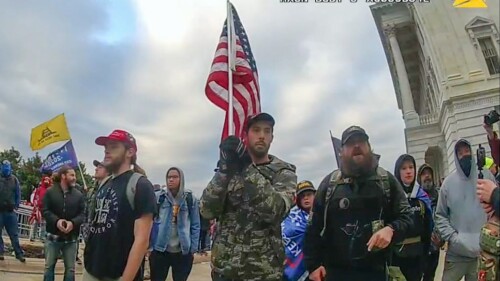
point(335, 179)
point(382, 179)
point(385, 184)
point(131, 188)
point(189, 201)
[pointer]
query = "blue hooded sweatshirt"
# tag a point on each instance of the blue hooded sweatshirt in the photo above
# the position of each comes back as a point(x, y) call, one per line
point(459, 214)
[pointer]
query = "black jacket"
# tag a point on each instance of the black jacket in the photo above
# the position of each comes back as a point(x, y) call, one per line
point(315, 251)
point(69, 206)
point(421, 223)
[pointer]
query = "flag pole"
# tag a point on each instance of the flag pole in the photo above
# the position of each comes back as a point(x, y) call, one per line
point(335, 150)
point(85, 187)
point(81, 174)
point(230, 67)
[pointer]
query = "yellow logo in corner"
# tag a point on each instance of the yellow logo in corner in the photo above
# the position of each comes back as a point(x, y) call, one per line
point(470, 4)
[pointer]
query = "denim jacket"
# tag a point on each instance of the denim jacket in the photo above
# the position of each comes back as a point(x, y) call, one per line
point(188, 224)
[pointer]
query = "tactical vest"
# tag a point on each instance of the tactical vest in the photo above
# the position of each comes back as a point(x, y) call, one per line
point(7, 193)
point(488, 262)
point(412, 246)
point(352, 215)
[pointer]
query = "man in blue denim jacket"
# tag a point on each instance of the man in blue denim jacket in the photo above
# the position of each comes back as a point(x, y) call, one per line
point(178, 232)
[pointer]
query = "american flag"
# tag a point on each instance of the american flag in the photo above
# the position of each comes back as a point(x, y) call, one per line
point(246, 96)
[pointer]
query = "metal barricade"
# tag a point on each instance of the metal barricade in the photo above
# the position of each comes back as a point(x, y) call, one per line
point(25, 228)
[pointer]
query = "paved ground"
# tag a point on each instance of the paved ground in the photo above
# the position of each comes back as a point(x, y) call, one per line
point(201, 272)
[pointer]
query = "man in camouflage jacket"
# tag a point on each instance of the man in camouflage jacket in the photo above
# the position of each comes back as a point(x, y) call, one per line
point(250, 195)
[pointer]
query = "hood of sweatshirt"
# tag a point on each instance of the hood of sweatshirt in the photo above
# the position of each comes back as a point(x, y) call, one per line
point(433, 191)
point(180, 193)
point(399, 163)
point(460, 171)
point(421, 170)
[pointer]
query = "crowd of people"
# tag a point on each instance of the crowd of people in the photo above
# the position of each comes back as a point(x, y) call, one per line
point(361, 223)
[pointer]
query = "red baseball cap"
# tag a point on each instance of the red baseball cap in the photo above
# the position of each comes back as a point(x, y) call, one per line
point(120, 136)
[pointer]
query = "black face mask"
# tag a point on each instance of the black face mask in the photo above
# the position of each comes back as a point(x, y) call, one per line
point(466, 164)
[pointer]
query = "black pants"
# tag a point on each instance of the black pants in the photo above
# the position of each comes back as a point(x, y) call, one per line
point(160, 263)
point(410, 267)
point(348, 274)
point(203, 238)
point(430, 266)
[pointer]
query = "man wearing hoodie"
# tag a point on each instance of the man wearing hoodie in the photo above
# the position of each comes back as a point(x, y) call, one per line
point(460, 216)
point(36, 218)
point(10, 198)
point(410, 254)
point(179, 230)
point(425, 179)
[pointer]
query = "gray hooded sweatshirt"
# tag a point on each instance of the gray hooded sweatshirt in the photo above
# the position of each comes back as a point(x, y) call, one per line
point(459, 214)
point(174, 244)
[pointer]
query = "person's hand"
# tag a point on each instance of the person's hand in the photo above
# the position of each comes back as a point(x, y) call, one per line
point(319, 274)
point(436, 240)
point(485, 189)
point(488, 209)
point(232, 151)
point(233, 144)
point(489, 131)
point(69, 227)
point(381, 239)
point(61, 225)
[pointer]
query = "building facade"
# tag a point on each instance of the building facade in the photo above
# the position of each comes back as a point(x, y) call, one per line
point(444, 63)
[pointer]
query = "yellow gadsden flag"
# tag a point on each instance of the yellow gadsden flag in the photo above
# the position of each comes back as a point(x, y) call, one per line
point(470, 4)
point(49, 132)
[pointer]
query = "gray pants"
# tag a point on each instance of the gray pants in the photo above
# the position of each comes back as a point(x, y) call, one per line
point(88, 277)
point(455, 271)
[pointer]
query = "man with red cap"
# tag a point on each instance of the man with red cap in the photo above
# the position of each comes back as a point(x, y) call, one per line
point(125, 205)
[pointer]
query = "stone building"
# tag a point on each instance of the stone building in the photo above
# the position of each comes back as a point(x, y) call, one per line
point(444, 63)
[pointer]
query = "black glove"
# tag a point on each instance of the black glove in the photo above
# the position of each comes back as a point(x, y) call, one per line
point(232, 153)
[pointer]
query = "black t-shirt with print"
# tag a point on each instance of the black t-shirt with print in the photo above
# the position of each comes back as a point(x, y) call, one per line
point(111, 233)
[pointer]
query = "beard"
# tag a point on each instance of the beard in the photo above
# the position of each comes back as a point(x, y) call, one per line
point(259, 152)
point(427, 184)
point(355, 169)
point(115, 164)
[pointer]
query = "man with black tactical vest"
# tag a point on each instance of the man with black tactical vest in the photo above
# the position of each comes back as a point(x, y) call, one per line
point(250, 195)
point(357, 212)
point(410, 255)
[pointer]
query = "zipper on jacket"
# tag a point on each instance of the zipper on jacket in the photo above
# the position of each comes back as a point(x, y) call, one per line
point(64, 203)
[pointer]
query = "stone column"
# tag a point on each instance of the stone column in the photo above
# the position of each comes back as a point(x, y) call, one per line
point(409, 114)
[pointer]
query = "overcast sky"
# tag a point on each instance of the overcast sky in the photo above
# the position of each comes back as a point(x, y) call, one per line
point(142, 66)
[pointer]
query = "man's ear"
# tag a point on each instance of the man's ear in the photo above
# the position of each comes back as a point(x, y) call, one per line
point(130, 152)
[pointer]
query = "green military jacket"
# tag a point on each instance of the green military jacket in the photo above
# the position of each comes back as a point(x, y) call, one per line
point(250, 208)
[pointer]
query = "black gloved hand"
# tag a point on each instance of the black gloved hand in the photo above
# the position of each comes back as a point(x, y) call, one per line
point(232, 152)
point(234, 145)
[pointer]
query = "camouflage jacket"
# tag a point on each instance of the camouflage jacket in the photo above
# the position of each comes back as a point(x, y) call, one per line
point(250, 208)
